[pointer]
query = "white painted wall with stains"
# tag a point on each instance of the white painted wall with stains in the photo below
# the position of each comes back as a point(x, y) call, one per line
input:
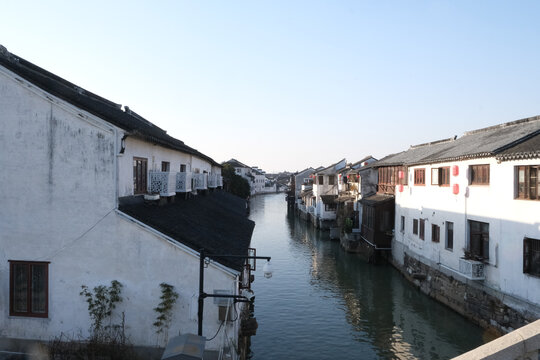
point(59, 193)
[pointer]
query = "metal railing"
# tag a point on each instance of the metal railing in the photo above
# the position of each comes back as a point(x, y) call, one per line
point(183, 182)
point(200, 181)
point(162, 183)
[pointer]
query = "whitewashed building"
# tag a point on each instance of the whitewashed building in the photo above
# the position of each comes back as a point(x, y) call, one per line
point(469, 208)
point(255, 177)
point(325, 193)
point(74, 165)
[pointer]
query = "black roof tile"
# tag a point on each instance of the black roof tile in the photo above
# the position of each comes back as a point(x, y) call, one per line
point(216, 222)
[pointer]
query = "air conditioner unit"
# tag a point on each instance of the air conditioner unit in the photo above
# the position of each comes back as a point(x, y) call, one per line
point(472, 269)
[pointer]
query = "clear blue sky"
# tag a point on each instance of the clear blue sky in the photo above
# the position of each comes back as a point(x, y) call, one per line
point(284, 85)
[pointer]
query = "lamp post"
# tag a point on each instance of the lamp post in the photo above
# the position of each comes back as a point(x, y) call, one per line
point(267, 270)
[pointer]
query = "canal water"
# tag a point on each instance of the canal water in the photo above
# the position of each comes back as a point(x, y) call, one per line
point(323, 303)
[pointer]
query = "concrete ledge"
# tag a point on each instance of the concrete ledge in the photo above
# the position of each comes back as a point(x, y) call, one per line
point(523, 343)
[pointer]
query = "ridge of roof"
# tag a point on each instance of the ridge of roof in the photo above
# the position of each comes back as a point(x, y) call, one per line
point(503, 125)
point(442, 141)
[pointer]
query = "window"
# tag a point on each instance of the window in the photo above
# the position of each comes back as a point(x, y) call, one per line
point(419, 176)
point(440, 176)
point(330, 207)
point(331, 179)
point(389, 177)
point(531, 256)
point(449, 235)
point(402, 227)
point(321, 180)
point(528, 182)
point(140, 166)
point(415, 226)
point(479, 174)
point(28, 288)
point(479, 240)
point(435, 233)
point(422, 229)
point(238, 170)
point(182, 168)
point(165, 166)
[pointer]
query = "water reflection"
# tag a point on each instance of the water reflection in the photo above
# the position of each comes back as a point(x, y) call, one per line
point(323, 303)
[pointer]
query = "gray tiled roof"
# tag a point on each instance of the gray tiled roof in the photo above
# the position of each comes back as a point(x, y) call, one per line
point(473, 144)
point(529, 149)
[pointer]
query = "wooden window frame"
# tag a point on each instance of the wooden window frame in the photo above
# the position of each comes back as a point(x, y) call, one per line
point(165, 166)
point(415, 226)
point(479, 174)
point(483, 242)
point(331, 179)
point(435, 233)
point(140, 185)
point(531, 252)
point(29, 312)
point(320, 179)
point(422, 229)
point(531, 180)
point(420, 177)
point(442, 176)
point(449, 236)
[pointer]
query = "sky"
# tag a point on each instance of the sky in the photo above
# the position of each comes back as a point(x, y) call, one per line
point(285, 85)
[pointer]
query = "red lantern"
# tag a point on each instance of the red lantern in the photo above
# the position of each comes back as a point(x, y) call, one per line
point(455, 170)
point(455, 189)
point(400, 187)
point(400, 174)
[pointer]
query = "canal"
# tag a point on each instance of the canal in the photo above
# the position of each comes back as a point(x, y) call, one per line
point(323, 303)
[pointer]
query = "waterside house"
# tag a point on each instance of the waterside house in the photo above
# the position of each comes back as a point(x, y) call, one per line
point(325, 192)
point(468, 224)
point(255, 177)
point(81, 178)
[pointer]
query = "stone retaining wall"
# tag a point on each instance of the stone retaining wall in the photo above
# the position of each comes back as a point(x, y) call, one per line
point(476, 302)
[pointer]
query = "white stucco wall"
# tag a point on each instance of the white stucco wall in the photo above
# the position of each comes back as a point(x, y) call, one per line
point(509, 219)
point(155, 154)
point(58, 205)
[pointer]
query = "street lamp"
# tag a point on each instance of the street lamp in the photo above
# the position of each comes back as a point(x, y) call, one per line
point(267, 271)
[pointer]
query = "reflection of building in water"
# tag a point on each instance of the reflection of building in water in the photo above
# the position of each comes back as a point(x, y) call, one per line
point(381, 307)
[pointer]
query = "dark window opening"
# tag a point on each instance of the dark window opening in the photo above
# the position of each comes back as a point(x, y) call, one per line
point(422, 229)
point(479, 240)
point(29, 288)
point(531, 256)
point(449, 235)
point(415, 226)
point(435, 233)
point(165, 166)
point(140, 167)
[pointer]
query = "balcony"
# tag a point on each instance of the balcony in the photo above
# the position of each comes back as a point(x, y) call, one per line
point(183, 182)
point(472, 269)
point(214, 181)
point(163, 183)
point(200, 181)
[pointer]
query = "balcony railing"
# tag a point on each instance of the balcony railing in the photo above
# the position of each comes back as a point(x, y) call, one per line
point(183, 182)
point(214, 181)
point(472, 269)
point(163, 183)
point(200, 181)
